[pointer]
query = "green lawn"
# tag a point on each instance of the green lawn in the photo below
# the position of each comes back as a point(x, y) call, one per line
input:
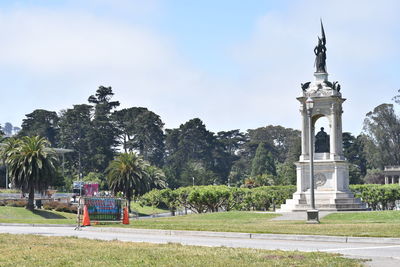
point(374, 224)
point(29, 250)
point(145, 210)
point(378, 224)
point(22, 215)
point(364, 217)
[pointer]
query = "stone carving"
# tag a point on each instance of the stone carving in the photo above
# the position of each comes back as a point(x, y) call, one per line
point(321, 142)
point(320, 52)
point(320, 179)
point(305, 86)
point(336, 86)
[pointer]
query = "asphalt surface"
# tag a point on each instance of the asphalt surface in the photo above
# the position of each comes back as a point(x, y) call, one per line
point(382, 251)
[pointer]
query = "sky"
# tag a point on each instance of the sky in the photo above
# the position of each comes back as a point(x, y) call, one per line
point(234, 64)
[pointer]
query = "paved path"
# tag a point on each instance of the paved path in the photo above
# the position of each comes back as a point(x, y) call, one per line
point(383, 252)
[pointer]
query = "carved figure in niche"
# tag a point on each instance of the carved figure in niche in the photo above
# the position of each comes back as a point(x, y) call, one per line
point(321, 142)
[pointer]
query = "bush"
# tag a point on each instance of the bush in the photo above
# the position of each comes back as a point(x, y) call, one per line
point(51, 205)
point(58, 206)
point(377, 197)
point(216, 198)
point(16, 203)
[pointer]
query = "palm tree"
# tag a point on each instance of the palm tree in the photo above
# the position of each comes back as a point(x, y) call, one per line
point(7, 147)
point(127, 173)
point(156, 176)
point(31, 166)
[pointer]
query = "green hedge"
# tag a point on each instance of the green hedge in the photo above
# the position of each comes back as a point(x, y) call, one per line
point(377, 197)
point(211, 198)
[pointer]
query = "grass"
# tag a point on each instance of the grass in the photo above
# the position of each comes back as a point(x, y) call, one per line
point(29, 250)
point(146, 210)
point(369, 224)
point(22, 215)
point(364, 217)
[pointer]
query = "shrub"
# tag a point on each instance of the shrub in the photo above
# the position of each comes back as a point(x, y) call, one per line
point(16, 203)
point(58, 206)
point(51, 205)
point(215, 198)
point(377, 196)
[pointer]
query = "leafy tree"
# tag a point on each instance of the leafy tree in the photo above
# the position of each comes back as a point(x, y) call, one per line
point(102, 136)
point(283, 144)
point(232, 141)
point(354, 151)
point(227, 150)
point(43, 123)
point(382, 126)
point(141, 130)
point(31, 166)
point(75, 129)
point(195, 172)
point(127, 174)
point(277, 139)
point(263, 162)
point(190, 150)
point(156, 176)
point(374, 176)
point(8, 147)
point(286, 173)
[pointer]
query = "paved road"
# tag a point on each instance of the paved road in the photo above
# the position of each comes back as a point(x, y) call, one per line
point(381, 254)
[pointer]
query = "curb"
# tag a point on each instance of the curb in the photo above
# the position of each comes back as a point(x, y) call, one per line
point(319, 238)
point(37, 225)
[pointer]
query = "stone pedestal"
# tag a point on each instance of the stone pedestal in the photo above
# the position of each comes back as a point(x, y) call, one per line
point(331, 170)
point(313, 216)
point(331, 188)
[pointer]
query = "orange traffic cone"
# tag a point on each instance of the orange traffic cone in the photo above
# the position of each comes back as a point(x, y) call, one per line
point(86, 219)
point(125, 219)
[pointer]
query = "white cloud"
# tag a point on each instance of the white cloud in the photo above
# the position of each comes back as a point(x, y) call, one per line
point(53, 59)
point(279, 56)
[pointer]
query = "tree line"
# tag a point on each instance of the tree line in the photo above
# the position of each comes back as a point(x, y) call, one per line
point(98, 132)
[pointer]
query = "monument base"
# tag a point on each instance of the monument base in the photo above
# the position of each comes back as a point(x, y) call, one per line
point(331, 188)
point(312, 216)
point(324, 201)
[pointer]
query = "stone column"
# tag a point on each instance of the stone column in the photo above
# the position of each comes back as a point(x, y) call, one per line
point(333, 138)
point(339, 144)
point(304, 136)
point(386, 179)
point(392, 179)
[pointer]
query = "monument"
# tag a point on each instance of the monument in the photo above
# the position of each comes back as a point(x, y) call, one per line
point(331, 170)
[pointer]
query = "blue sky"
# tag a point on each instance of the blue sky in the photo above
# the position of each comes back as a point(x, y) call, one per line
point(234, 64)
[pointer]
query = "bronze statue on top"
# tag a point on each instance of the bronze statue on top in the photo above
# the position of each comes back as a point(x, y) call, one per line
point(322, 142)
point(320, 52)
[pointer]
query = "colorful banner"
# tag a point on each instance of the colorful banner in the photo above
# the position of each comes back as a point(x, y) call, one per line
point(104, 209)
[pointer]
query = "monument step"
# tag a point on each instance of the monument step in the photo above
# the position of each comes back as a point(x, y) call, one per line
point(323, 207)
point(324, 201)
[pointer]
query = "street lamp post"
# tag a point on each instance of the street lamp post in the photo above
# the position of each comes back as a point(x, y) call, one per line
point(312, 214)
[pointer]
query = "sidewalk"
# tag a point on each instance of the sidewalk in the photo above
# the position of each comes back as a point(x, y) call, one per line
point(323, 238)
